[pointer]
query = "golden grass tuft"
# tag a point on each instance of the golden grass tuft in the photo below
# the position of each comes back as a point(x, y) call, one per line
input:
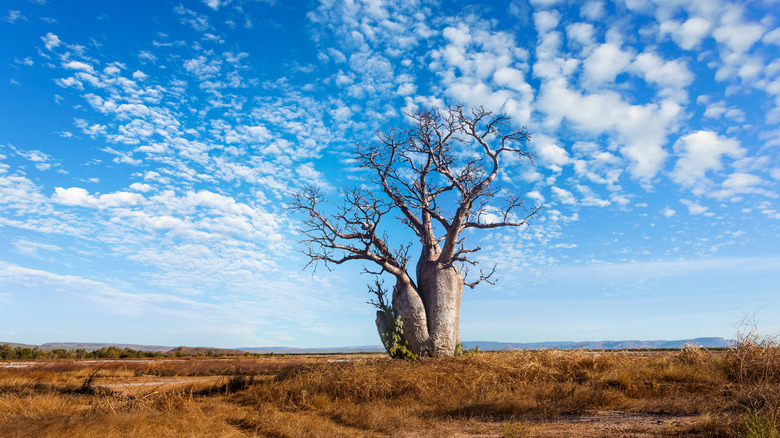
point(692, 354)
point(755, 359)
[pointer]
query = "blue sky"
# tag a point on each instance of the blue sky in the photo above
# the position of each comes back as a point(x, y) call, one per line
point(148, 149)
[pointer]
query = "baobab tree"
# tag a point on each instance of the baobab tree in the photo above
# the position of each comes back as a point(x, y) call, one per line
point(436, 175)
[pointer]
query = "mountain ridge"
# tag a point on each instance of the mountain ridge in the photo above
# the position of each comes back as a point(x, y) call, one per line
point(706, 342)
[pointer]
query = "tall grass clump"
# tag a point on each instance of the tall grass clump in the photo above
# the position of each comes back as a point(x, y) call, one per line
point(754, 369)
point(754, 359)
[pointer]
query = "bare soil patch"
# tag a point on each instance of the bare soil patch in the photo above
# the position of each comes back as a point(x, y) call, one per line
point(134, 386)
point(617, 424)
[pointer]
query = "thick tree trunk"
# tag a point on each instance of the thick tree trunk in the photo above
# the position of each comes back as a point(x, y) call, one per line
point(441, 286)
point(382, 328)
point(408, 303)
point(430, 312)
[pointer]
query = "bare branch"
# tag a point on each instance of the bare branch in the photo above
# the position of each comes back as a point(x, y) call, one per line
point(482, 277)
point(416, 167)
point(483, 128)
point(380, 293)
point(349, 234)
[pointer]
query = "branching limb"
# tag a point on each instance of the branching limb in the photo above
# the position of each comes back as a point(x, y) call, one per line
point(351, 233)
point(505, 221)
point(482, 277)
point(485, 129)
point(380, 300)
point(441, 158)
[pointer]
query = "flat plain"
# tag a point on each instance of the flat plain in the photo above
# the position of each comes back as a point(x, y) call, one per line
point(690, 392)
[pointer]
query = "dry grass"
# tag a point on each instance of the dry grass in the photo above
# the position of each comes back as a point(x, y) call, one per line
point(754, 367)
point(736, 393)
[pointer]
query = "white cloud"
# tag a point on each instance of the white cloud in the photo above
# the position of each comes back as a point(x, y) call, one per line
point(138, 75)
point(75, 196)
point(120, 199)
point(146, 56)
point(33, 249)
point(15, 273)
point(689, 34)
point(563, 195)
point(694, 208)
point(604, 64)
point(715, 110)
point(141, 187)
point(14, 15)
point(406, 89)
point(673, 74)
point(736, 34)
point(772, 37)
point(78, 65)
point(42, 161)
point(593, 10)
point(213, 4)
point(741, 183)
point(546, 21)
point(70, 82)
point(512, 78)
point(51, 41)
point(642, 129)
point(20, 196)
point(548, 151)
point(589, 198)
point(202, 67)
point(668, 212)
point(596, 165)
point(198, 22)
point(535, 195)
point(582, 33)
point(702, 152)
point(473, 56)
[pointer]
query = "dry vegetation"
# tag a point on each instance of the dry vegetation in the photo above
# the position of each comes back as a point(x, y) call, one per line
point(691, 392)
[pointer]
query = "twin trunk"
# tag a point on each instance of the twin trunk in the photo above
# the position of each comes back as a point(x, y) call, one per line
point(429, 311)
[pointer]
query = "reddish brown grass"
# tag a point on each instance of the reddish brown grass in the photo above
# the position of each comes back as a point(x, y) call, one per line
point(490, 394)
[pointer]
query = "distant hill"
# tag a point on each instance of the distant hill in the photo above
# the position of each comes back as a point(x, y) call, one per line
point(499, 346)
point(483, 345)
point(97, 346)
point(14, 345)
point(293, 350)
point(598, 345)
point(206, 351)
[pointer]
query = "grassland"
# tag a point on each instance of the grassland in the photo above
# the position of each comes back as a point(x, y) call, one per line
point(691, 392)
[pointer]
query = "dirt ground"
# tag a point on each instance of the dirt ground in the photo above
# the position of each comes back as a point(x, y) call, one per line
point(613, 424)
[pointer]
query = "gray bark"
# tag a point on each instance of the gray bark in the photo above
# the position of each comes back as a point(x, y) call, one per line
point(381, 327)
point(441, 286)
point(430, 312)
point(408, 303)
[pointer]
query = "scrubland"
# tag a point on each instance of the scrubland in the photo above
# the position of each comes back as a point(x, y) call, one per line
point(691, 392)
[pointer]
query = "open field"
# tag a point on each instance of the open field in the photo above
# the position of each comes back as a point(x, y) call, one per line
point(691, 392)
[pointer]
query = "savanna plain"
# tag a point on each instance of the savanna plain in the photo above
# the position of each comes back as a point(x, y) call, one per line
point(690, 392)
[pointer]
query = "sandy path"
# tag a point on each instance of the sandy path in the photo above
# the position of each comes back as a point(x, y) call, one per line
point(598, 424)
point(130, 386)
